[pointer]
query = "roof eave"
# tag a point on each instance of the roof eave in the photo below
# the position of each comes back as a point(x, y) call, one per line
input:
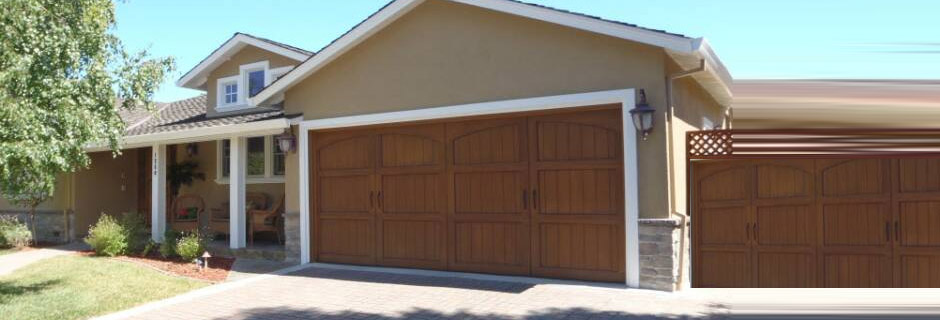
point(716, 79)
point(198, 75)
point(263, 127)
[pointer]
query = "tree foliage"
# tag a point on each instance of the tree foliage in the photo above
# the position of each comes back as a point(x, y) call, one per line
point(63, 77)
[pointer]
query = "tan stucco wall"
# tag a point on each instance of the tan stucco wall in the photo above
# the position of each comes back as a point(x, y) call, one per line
point(212, 192)
point(292, 180)
point(694, 110)
point(444, 53)
point(58, 202)
point(109, 186)
point(246, 55)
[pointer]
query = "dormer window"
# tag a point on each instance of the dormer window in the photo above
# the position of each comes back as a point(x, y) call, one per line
point(233, 92)
point(255, 82)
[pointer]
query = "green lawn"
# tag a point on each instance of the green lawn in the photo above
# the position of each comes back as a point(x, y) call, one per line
point(77, 287)
point(7, 251)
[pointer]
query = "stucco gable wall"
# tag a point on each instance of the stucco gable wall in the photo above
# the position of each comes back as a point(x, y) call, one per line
point(444, 53)
point(246, 55)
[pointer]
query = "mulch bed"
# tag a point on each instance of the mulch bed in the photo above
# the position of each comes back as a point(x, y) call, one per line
point(218, 270)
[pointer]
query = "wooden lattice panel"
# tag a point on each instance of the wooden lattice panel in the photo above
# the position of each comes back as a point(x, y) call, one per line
point(712, 143)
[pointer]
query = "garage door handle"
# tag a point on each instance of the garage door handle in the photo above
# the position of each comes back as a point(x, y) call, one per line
point(525, 200)
point(754, 226)
point(381, 203)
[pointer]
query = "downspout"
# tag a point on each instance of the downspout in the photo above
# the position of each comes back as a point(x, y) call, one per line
point(684, 218)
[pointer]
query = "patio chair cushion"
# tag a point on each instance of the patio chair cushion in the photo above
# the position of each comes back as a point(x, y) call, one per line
point(187, 213)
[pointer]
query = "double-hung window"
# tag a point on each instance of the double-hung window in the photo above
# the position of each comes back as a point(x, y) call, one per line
point(264, 161)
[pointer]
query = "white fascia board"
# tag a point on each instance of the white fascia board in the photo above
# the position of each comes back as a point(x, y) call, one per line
point(354, 37)
point(636, 34)
point(251, 129)
point(197, 76)
point(704, 50)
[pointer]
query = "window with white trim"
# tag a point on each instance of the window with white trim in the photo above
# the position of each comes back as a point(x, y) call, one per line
point(264, 163)
point(233, 92)
point(255, 82)
point(228, 92)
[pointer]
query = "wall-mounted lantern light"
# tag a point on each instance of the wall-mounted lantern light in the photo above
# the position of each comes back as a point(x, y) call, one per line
point(286, 141)
point(192, 149)
point(642, 115)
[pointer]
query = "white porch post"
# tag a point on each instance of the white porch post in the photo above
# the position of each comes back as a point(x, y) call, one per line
point(158, 192)
point(631, 192)
point(237, 215)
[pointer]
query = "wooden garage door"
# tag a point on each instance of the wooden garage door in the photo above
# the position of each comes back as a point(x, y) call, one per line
point(537, 194)
point(816, 223)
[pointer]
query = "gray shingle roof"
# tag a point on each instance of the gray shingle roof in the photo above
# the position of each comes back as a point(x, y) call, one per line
point(187, 114)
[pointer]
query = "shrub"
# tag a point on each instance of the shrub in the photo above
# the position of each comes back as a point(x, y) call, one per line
point(190, 246)
point(135, 231)
point(107, 237)
point(168, 247)
point(14, 233)
point(148, 247)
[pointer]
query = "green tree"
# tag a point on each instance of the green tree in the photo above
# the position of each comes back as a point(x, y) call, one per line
point(62, 74)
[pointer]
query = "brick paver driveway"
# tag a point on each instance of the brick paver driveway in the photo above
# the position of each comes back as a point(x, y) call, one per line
point(363, 293)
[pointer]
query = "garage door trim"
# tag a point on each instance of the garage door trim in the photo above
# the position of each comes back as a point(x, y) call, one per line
point(625, 97)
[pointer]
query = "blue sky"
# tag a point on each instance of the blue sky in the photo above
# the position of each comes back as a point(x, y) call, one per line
point(756, 39)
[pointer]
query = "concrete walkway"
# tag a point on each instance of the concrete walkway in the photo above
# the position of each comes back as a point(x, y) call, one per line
point(13, 261)
point(245, 268)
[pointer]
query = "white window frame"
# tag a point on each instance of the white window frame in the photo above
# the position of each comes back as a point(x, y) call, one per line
point(220, 93)
point(241, 80)
point(267, 177)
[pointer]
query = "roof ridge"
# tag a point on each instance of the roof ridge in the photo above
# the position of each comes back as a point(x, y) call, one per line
point(278, 43)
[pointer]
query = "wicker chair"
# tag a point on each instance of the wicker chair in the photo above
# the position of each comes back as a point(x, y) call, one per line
point(219, 219)
point(186, 212)
point(270, 220)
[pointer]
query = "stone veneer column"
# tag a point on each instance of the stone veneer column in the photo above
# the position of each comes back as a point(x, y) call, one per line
point(292, 236)
point(660, 248)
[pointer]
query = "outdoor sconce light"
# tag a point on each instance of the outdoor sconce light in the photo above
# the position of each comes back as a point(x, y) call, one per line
point(642, 115)
point(192, 149)
point(286, 141)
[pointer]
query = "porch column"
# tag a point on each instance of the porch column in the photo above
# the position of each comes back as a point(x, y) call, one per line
point(158, 192)
point(238, 152)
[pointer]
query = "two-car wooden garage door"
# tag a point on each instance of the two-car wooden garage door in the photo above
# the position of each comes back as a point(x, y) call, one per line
point(532, 194)
point(817, 223)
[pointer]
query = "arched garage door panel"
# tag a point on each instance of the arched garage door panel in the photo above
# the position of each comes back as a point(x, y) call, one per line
point(533, 194)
